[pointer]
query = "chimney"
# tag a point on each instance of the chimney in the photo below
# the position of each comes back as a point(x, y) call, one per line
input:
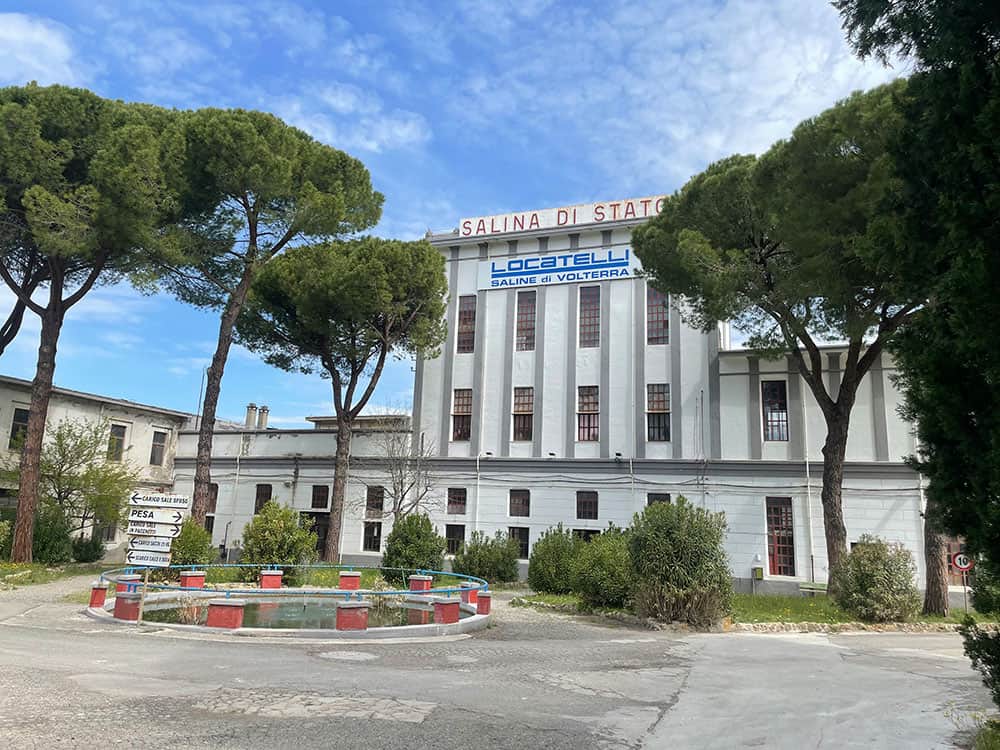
point(262, 418)
point(251, 416)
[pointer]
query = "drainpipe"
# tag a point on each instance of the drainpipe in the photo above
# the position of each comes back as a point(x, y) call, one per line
point(475, 516)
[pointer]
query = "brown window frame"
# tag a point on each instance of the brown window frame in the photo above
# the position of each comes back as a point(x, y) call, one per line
point(527, 315)
point(320, 497)
point(458, 501)
point(524, 412)
point(213, 498)
point(589, 317)
point(657, 497)
point(780, 536)
point(517, 501)
point(588, 413)
point(263, 493)
point(461, 415)
point(585, 535)
point(587, 505)
point(452, 541)
point(371, 537)
point(18, 428)
point(374, 501)
point(657, 317)
point(465, 331)
point(774, 410)
point(658, 412)
point(522, 534)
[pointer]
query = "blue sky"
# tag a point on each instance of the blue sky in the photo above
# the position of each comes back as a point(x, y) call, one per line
point(458, 108)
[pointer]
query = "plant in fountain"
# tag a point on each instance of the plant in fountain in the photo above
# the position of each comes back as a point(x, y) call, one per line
point(278, 535)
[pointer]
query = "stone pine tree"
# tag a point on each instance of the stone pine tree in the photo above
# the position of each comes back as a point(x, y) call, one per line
point(255, 186)
point(782, 245)
point(342, 309)
point(949, 166)
point(82, 196)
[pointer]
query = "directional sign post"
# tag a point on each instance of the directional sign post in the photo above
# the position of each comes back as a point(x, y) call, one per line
point(154, 521)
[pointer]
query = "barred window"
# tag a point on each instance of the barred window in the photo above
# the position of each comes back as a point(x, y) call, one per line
point(588, 417)
point(520, 503)
point(590, 316)
point(658, 412)
point(457, 500)
point(657, 497)
point(261, 497)
point(461, 414)
point(320, 496)
point(525, 321)
point(374, 502)
point(774, 401)
point(780, 537)
point(372, 541)
point(520, 533)
point(657, 317)
point(466, 333)
point(586, 505)
point(524, 412)
point(454, 534)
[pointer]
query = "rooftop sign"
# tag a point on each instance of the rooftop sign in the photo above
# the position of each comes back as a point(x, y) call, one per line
point(557, 268)
point(562, 218)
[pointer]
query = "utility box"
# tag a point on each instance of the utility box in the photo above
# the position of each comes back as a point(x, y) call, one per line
point(757, 572)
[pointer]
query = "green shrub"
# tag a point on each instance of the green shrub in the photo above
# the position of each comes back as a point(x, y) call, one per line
point(493, 559)
point(52, 543)
point(6, 539)
point(278, 536)
point(550, 567)
point(679, 566)
point(193, 546)
point(413, 544)
point(986, 587)
point(88, 550)
point(874, 582)
point(602, 570)
point(983, 649)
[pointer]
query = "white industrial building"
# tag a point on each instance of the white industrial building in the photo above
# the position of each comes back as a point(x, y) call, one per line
point(568, 391)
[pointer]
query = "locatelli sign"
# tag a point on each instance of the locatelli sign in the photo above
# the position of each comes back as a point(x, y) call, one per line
point(557, 268)
point(560, 218)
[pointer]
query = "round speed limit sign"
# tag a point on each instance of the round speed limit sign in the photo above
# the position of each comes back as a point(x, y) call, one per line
point(961, 561)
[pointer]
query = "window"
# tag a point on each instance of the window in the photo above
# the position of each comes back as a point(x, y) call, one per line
point(466, 337)
point(159, 448)
point(657, 497)
point(116, 442)
point(520, 503)
point(524, 408)
point(209, 524)
point(262, 497)
point(18, 426)
point(454, 535)
point(520, 533)
point(375, 502)
point(590, 316)
point(106, 532)
point(525, 321)
point(588, 417)
point(372, 541)
point(213, 497)
point(461, 414)
point(657, 412)
point(585, 535)
point(774, 401)
point(320, 496)
point(456, 500)
point(780, 538)
point(657, 317)
point(586, 505)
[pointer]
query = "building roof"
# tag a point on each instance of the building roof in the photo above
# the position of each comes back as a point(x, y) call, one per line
point(26, 384)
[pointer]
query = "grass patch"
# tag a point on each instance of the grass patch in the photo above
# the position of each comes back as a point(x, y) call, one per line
point(988, 737)
point(78, 597)
point(556, 600)
point(26, 574)
point(778, 608)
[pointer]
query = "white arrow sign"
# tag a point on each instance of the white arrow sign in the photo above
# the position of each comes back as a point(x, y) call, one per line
point(147, 559)
point(157, 500)
point(170, 531)
point(150, 543)
point(149, 515)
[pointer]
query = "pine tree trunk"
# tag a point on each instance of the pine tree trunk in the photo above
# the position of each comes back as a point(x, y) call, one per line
point(340, 472)
point(213, 385)
point(936, 561)
point(31, 452)
point(834, 450)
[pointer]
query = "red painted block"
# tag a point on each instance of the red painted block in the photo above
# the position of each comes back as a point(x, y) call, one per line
point(270, 579)
point(417, 616)
point(420, 583)
point(127, 607)
point(446, 611)
point(98, 594)
point(352, 615)
point(470, 593)
point(193, 579)
point(483, 605)
point(225, 613)
point(350, 580)
point(127, 583)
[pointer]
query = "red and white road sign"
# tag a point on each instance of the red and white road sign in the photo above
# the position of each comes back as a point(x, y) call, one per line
point(962, 562)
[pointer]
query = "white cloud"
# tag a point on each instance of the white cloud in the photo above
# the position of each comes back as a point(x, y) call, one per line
point(36, 49)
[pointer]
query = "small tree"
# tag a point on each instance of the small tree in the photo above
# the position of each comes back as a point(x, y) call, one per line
point(279, 535)
point(341, 309)
point(493, 559)
point(413, 544)
point(76, 475)
point(602, 570)
point(550, 567)
point(876, 582)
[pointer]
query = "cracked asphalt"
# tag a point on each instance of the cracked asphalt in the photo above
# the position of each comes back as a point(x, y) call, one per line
point(533, 680)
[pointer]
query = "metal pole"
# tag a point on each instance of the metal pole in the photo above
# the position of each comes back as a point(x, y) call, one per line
point(965, 589)
point(142, 597)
